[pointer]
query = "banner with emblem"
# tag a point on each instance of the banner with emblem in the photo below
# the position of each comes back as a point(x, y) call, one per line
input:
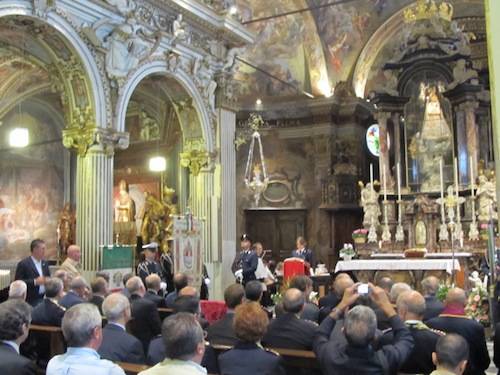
point(187, 249)
point(117, 260)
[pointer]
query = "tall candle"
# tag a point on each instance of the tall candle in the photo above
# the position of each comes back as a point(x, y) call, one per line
point(385, 184)
point(456, 175)
point(371, 175)
point(471, 177)
point(441, 173)
point(398, 170)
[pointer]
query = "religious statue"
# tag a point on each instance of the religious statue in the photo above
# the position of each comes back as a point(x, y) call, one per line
point(66, 228)
point(390, 85)
point(462, 74)
point(486, 194)
point(124, 205)
point(179, 30)
point(369, 202)
point(150, 130)
point(126, 45)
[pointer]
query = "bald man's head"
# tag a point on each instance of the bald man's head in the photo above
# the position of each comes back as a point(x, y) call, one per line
point(188, 291)
point(456, 296)
point(293, 301)
point(74, 253)
point(341, 284)
point(411, 305)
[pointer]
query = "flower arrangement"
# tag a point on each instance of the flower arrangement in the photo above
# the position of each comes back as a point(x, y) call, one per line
point(442, 291)
point(477, 305)
point(359, 235)
point(347, 252)
point(483, 231)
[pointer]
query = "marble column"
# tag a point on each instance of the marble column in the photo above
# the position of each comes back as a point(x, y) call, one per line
point(382, 118)
point(492, 9)
point(94, 204)
point(471, 129)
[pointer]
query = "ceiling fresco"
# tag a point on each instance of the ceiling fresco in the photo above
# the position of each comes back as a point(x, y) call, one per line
point(312, 50)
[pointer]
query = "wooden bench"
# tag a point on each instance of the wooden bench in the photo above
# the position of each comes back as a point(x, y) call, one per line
point(132, 368)
point(55, 337)
point(165, 312)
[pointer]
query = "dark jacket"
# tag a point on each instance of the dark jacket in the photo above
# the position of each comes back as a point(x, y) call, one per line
point(170, 299)
point(222, 332)
point(433, 307)
point(250, 359)
point(154, 297)
point(420, 359)
point(71, 299)
point(146, 268)
point(310, 312)
point(496, 347)
point(289, 332)
point(12, 363)
point(145, 323)
point(236, 261)
point(27, 272)
point(249, 262)
point(337, 357)
point(473, 333)
point(157, 353)
point(307, 255)
point(97, 300)
point(47, 313)
point(330, 300)
point(120, 346)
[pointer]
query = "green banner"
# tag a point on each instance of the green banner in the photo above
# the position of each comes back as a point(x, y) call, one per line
point(117, 256)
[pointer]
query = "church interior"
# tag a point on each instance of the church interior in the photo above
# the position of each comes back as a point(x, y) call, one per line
point(353, 137)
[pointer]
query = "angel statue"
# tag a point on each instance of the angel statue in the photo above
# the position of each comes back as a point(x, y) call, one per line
point(486, 194)
point(369, 202)
point(126, 44)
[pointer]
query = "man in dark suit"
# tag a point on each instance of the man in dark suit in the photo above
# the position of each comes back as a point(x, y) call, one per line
point(118, 345)
point(303, 252)
point(360, 324)
point(433, 306)
point(99, 287)
point(305, 285)
point(288, 331)
point(328, 302)
point(146, 323)
point(454, 320)
point(49, 312)
point(33, 270)
point(14, 328)
point(153, 285)
point(222, 331)
point(180, 282)
point(78, 293)
point(411, 307)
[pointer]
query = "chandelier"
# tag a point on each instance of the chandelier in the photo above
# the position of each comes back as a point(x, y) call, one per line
point(256, 178)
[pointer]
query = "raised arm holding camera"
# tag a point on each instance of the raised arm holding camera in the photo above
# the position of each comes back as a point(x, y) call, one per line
point(336, 356)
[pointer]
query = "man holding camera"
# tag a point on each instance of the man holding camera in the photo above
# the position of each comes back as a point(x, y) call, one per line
point(355, 354)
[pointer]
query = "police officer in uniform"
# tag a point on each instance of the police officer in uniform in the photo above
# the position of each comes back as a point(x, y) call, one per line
point(167, 271)
point(149, 265)
point(249, 259)
point(237, 267)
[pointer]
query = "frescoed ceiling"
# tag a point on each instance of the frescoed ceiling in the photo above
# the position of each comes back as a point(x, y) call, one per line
point(313, 50)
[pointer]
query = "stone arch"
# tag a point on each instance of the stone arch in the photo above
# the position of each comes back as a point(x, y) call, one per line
point(70, 36)
point(161, 67)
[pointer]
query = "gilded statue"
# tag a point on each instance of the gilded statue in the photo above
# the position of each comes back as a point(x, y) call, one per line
point(157, 222)
point(124, 205)
point(451, 201)
point(66, 228)
point(486, 194)
point(369, 202)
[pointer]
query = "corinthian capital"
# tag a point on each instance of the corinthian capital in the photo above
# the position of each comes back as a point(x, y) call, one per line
point(103, 139)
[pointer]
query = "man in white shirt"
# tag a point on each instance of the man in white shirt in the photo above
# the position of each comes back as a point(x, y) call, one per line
point(82, 330)
point(184, 347)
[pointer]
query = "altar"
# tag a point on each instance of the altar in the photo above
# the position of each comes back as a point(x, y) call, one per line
point(410, 270)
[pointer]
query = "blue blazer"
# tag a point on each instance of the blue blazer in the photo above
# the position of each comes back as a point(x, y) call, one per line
point(120, 346)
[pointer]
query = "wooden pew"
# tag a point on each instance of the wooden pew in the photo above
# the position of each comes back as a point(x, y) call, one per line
point(132, 368)
point(55, 335)
point(165, 312)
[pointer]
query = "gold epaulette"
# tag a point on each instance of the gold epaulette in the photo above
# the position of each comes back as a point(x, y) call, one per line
point(438, 332)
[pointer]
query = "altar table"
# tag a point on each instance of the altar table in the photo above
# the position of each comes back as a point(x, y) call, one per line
point(409, 270)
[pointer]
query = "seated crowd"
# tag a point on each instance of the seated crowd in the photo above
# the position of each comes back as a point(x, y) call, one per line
point(389, 330)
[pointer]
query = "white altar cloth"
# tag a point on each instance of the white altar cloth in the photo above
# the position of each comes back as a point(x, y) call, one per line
point(397, 265)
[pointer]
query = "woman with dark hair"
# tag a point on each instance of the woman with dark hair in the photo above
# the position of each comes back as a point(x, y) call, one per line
point(248, 357)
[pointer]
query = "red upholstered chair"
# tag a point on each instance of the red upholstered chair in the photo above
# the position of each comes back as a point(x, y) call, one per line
point(293, 267)
point(213, 310)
